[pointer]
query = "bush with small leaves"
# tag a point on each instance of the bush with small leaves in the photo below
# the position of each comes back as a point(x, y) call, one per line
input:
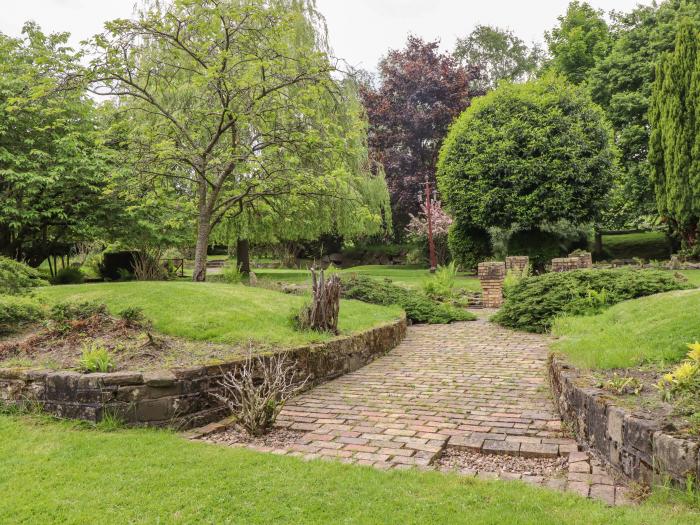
point(419, 308)
point(132, 316)
point(69, 275)
point(17, 278)
point(534, 302)
point(16, 311)
point(68, 311)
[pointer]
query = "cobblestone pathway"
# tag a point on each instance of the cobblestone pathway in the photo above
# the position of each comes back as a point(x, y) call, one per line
point(474, 386)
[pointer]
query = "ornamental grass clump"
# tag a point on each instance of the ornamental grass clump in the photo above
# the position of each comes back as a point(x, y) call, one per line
point(95, 358)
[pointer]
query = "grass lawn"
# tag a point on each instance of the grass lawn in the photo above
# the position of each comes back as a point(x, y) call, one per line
point(409, 276)
point(220, 312)
point(52, 472)
point(648, 245)
point(652, 329)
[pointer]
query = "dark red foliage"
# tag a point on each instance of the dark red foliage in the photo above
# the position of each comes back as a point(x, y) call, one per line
point(420, 91)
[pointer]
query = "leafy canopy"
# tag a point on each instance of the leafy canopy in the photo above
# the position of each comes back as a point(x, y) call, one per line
point(525, 155)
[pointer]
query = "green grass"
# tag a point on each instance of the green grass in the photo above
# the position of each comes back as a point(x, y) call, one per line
point(648, 245)
point(652, 329)
point(693, 277)
point(220, 312)
point(408, 276)
point(54, 472)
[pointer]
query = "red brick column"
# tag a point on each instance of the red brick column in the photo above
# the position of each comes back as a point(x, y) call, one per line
point(491, 275)
point(565, 264)
point(517, 262)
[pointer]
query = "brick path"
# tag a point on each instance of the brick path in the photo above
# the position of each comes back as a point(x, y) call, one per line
point(471, 385)
point(474, 385)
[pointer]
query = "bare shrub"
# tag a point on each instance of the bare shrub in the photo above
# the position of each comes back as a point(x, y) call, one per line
point(257, 392)
point(322, 313)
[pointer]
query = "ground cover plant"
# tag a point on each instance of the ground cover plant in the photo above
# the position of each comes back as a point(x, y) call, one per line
point(419, 308)
point(231, 314)
point(535, 302)
point(243, 486)
point(643, 352)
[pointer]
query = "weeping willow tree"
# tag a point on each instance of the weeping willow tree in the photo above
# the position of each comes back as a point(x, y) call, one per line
point(239, 107)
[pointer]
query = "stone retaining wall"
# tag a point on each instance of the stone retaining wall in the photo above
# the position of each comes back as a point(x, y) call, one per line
point(180, 397)
point(634, 446)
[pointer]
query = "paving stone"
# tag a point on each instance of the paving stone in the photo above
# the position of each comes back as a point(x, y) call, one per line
point(539, 450)
point(507, 448)
point(581, 466)
point(604, 493)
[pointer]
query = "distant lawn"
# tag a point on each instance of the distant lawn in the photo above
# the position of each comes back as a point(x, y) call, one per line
point(54, 472)
point(409, 276)
point(648, 245)
point(220, 312)
point(651, 329)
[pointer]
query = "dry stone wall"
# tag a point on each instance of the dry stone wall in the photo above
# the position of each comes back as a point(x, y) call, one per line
point(180, 397)
point(634, 446)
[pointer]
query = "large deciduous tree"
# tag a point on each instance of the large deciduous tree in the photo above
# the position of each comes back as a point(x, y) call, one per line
point(230, 103)
point(579, 42)
point(419, 92)
point(499, 55)
point(621, 84)
point(525, 156)
point(674, 144)
point(52, 161)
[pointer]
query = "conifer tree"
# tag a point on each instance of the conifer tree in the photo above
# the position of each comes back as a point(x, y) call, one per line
point(674, 148)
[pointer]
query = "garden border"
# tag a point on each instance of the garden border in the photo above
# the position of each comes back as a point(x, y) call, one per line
point(634, 446)
point(180, 397)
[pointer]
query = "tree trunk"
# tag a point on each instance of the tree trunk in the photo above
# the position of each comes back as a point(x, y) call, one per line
point(598, 244)
point(199, 274)
point(243, 256)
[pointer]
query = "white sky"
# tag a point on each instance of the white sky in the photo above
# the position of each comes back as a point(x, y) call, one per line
point(360, 31)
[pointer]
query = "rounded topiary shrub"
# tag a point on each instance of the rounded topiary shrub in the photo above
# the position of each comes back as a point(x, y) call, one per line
point(468, 245)
point(17, 277)
point(526, 155)
point(534, 302)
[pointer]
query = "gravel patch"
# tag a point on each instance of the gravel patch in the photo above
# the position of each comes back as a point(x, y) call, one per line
point(278, 438)
point(454, 459)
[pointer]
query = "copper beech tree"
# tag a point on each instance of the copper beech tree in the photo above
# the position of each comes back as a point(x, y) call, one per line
point(230, 103)
point(418, 94)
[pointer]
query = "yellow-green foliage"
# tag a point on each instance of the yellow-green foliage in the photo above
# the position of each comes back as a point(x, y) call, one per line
point(685, 378)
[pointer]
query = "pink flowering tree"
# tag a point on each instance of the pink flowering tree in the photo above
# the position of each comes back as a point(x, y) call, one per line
point(417, 229)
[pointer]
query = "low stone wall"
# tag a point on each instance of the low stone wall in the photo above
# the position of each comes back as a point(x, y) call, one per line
point(635, 447)
point(180, 397)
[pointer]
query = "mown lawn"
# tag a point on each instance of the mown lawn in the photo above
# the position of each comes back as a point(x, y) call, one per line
point(648, 245)
point(220, 312)
point(53, 472)
point(409, 276)
point(652, 329)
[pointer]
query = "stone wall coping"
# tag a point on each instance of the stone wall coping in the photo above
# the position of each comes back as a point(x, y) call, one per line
point(636, 446)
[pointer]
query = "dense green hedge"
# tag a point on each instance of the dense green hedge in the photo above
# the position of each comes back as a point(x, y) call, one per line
point(17, 278)
point(468, 245)
point(419, 308)
point(534, 302)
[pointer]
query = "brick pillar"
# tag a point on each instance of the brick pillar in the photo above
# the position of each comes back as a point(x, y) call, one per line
point(565, 264)
point(517, 262)
point(585, 260)
point(491, 275)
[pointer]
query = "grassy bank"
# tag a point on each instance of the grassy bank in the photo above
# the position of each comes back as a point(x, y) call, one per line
point(219, 312)
point(652, 329)
point(58, 473)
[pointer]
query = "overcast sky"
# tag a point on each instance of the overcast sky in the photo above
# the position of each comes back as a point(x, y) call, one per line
point(360, 31)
